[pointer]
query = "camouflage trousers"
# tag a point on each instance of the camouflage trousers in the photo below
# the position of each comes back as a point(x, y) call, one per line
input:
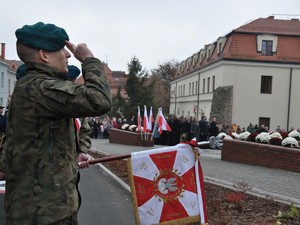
point(71, 220)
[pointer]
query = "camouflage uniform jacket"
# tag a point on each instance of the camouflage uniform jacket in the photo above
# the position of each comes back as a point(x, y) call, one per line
point(40, 151)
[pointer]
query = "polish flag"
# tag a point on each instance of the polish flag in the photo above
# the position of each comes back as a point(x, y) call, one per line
point(162, 123)
point(145, 120)
point(139, 119)
point(151, 120)
point(77, 124)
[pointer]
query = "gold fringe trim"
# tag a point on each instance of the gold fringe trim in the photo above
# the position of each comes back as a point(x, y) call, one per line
point(133, 192)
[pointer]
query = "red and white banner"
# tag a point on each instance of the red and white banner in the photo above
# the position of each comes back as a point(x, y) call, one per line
point(150, 120)
point(145, 120)
point(2, 186)
point(77, 124)
point(139, 119)
point(167, 186)
point(162, 123)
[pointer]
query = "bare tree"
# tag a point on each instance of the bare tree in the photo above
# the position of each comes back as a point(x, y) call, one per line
point(161, 78)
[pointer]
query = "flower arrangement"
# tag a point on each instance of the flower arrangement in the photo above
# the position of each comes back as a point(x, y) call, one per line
point(132, 128)
point(222, 135)
point(125, 126)
point(263, 138)
point(276, 141)
point(275, 135)
point(283, 134)
point(275, 138)
point(290, 142)
point(244, 136)
point(294, 134)
point(139, 130)
point(228, 137)
point(235, 135)
point(252, 137)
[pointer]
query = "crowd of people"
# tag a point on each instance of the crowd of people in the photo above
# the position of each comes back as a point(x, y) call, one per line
point(182, 128)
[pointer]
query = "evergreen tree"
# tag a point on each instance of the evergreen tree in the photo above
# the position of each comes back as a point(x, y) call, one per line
point(137, 88)
point(118, 102)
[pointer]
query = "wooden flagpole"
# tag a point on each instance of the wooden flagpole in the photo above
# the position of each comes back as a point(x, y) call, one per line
point(125, 156)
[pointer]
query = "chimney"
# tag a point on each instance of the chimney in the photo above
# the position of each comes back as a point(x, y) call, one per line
point(2, 51)
point(271, 17)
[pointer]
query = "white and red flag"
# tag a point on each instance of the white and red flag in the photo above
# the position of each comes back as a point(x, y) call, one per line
point(167, 186)
point(145, 120)
point(139, 119)
point(162, 123)
point(150, 120)
point(77, 124)
point(2, 186)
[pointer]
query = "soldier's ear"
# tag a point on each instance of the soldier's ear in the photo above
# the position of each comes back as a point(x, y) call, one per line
point(43, 56)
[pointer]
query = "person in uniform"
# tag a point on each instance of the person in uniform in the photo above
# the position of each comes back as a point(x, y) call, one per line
point(41, 154)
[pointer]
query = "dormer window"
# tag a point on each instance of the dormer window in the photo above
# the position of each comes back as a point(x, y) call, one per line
point(267, 44)
point(266, 47)
point(220, 44)
point(210, 49)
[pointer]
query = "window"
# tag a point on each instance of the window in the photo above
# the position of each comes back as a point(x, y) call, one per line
point(203, 91)
point(196, 87)
point(2, 79)
point(220, 47)
point(264, 121)
point(190, 88)
point(266, 48)
point(183, 90)
point(266, 85)
point(208, 84)
point(9, 87)
point(213, 83)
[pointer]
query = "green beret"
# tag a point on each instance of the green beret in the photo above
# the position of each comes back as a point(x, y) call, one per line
point(73, 72)
point(21, 71)
point(42, 36)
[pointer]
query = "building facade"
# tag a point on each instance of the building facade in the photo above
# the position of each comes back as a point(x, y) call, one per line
point(7, 76)
point(248, 76)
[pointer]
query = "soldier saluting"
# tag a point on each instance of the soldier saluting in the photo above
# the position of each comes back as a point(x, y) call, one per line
point(40, 152)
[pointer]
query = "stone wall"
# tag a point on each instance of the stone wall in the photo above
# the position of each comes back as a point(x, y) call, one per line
point(221, 106)
point(265, 155)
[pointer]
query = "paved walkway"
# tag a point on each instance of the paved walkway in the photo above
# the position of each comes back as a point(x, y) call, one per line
point(281, 185)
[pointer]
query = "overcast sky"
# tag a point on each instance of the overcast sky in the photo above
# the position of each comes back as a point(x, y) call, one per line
point(155, 31)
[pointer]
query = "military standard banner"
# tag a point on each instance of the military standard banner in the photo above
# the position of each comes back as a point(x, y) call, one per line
point(167, 186)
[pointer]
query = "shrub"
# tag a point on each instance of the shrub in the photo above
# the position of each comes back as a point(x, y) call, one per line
point(263, 138)
point(275, 135)
point(234, 135)
point(132, 127)
point(283, 134)
point(252, 137)
point(125, 126)
point(275, 141)
point(290, 142)
point(243, 136)
point(294, 134)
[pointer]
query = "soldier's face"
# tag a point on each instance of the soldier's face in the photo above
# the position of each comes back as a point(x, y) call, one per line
point(59, 60)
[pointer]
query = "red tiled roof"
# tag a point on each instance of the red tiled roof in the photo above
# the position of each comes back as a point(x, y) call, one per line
point(241, 44)
point(272, 26)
